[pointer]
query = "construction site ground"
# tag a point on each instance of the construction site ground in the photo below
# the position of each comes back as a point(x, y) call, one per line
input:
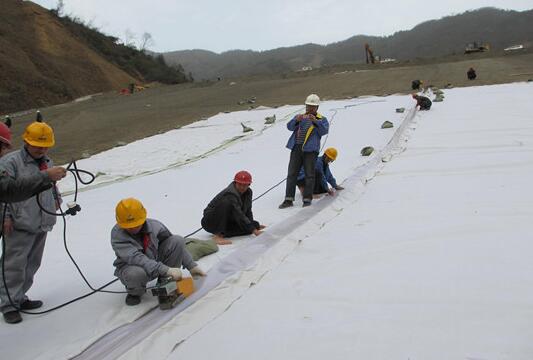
point(102, 121)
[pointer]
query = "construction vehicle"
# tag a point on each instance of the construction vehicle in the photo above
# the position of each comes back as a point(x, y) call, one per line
point(475, 47)
point(369, 55)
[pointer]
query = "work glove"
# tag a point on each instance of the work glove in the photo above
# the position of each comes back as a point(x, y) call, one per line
point(175, 273)
point(196, 271)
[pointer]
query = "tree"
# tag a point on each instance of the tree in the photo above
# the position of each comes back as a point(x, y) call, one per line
point(146, 42)
point(60, 8)
point(129, 38)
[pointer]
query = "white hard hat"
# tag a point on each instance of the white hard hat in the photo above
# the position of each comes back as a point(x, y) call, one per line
point(313, 100)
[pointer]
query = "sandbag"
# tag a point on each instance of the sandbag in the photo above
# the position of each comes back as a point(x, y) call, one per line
point(367, 150)
point(387, 125)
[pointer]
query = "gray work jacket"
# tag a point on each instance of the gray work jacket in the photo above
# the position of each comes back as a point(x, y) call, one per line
point(129, 248)
point(27, 215)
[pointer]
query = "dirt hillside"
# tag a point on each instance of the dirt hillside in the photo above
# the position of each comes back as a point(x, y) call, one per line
point(42, 61)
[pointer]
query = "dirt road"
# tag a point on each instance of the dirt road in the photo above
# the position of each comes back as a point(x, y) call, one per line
point(103, 121)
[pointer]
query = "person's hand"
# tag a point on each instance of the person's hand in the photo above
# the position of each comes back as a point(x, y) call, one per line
point(196, 271)
point(261, 227)
point(331, 192)
point(300, 117)
point(8, 226)
point(338, 187)
point(175, 273)
point(257, 232)
point(56, 173)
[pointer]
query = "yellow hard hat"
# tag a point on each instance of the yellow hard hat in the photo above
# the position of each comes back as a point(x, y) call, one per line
point(39, 134)
point(331, 153)
point(130, 213)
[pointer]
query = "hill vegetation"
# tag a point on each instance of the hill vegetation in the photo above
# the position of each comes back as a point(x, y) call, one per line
point(48, 59)
point(435, 38)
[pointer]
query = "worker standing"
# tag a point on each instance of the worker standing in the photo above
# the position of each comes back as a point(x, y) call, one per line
point(26, 223)
point(230, 212)
point(146, 250)
point(304, 143)
point(323, 174)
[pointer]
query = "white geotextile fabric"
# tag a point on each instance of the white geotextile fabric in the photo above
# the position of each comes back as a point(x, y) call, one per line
point(122, 340)
point(176, 197)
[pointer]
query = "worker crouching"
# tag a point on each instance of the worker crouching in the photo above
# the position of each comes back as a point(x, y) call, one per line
point(146, 250)
point(230, 212)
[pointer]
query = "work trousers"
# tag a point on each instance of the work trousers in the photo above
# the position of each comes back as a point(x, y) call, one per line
point(222, 221)
point(298, 159)
point(171, 252)
point(318, 188)
point(22, 259)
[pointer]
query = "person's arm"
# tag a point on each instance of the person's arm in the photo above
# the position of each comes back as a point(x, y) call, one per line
point(294, 123)
point(240, 216)
point(20, 189)
point(330, 179)
point(322, 126)
point(133, 255)
point(319, 170)
point(163, 233)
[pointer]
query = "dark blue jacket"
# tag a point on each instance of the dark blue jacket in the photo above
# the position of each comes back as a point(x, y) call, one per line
point(322, 173)
point(315, 132)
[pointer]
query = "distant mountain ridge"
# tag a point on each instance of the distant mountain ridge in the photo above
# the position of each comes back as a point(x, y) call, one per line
point(434, 38)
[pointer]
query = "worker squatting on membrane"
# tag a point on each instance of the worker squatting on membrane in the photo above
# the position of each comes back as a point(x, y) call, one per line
point(304, 143)
point(25, 224)
point(323, 175)
point(423, 102)
point(146, 250)
point(230, 212)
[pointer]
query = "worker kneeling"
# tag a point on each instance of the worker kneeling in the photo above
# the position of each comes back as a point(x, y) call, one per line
point(230, 212)
point(323, 174)
point(146, 250)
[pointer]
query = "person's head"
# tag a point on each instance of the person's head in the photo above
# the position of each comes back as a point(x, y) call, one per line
point(242, 181)
point(5, 139)
point(130, 215)
point(38, 138)
point(330, 154)
point(312, 102)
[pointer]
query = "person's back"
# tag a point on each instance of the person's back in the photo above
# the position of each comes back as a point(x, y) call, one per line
point(471, 74)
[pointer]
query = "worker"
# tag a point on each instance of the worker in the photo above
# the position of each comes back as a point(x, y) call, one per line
point(422, 101)
point(230, 214)
point(26, 223)
point(304, 143)
point(323, 174)
point(471, 74)
point(146, 250)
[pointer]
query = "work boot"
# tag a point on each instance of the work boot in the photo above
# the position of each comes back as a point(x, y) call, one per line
point(132, 300)
point(285, 204)
point(12, 317)
point(31, 304)
point(306, 203)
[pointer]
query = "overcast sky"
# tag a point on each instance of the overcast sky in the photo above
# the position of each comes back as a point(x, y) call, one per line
point(221, 25)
